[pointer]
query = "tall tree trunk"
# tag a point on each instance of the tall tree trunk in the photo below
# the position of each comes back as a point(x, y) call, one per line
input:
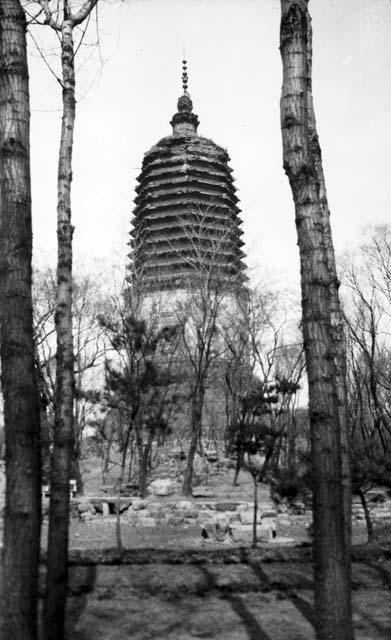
point(20, 554)
point(196, 421)
point(323, 340)
point(368, 520)
point(337, 324)
point(255, 512)
point(57, 575)
point(143, 463)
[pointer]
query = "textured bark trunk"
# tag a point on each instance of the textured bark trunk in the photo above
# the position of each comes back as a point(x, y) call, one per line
point(238, 465)
point(323, 339)
point(57, 575)
point(20, 553)
point(143, 464)
point(43, 418)
point(367, 515)
point(336, 318)
point(255, 515)
point(196, 421)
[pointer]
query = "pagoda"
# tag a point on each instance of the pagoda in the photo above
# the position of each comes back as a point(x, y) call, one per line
point(186, 216)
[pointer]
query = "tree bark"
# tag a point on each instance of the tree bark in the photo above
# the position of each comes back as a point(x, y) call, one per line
point(323, 341)
point(57, 575)
point(337, 324)
point(20, 554)
point(255, 513)
point(367, 515)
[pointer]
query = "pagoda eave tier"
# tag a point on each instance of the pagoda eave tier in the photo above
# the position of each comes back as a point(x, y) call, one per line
point(186, 197)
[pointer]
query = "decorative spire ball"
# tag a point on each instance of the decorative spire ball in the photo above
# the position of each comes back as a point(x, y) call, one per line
point(185, 78)
point(185, 122)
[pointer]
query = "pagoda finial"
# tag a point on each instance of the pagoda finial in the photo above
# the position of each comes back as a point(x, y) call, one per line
point(185, 122)
point(185, 77)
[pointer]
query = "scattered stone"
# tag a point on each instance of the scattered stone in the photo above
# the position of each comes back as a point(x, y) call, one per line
point(201, 466)
point(282, 540)
point(175, 521)
point(87, 516)
point(226, 506)
point(138, 504)
point(269, 513)
point(190, 522)
point(244, 533)
point(211, 455)
point(247, 517)
point(203, 492)
point(83, 507)
point(243, 506)
point(234, 516)
point(186, 509)
point(284, 521)
point(205, 516)
point(266, 531)
point(221, 526)
point(146, 522)
point(155, 509)
point(162, 487)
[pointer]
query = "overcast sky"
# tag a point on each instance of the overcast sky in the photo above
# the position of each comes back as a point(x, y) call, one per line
point(125, 105)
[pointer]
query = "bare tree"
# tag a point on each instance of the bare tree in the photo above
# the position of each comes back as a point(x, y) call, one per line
point(367, 280)
point(322, 328)
point(208, 296)
point(63, 17)
point(87, 305)
point(20, 553)
point(140, 386)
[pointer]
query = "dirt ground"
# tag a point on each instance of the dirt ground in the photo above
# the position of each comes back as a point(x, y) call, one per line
point(194, 594)
point(173, 585)
point(254, 600)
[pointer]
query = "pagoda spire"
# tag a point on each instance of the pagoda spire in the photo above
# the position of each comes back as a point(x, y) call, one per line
point(185, 77)
point(184, 122)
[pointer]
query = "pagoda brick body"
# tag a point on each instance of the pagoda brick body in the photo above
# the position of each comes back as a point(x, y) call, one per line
point(186, 218)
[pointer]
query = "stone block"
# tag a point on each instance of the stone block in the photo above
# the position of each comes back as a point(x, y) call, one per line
point(190, 522)
point(247, 517)
point(269, 513)
point(155, 509)
point(283, 521)
point(163, 487)
point(243, 533)
point(243, 506)
point(186, 509)
point(203, 492)
point(282, 540)
point(138, 504)
point(105, 509)
point(146, 522)
point(266, 531)
point(205, 515)
point(226, 506)
point(84, 507)
point(175, 521)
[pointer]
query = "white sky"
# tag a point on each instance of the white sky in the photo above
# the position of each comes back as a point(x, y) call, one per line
point(234, 71)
